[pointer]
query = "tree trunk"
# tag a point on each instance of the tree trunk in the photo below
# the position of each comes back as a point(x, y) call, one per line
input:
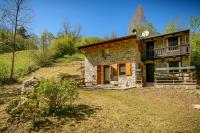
point(14, 40)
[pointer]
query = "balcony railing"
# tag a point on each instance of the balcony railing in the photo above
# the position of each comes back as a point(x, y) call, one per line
point(175, 75)
point(166, 52)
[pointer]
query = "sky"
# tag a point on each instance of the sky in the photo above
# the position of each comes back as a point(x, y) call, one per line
point(99, 18)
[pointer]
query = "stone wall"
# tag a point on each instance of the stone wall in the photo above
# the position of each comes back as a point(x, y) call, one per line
point(124, 52)
point(177, 86)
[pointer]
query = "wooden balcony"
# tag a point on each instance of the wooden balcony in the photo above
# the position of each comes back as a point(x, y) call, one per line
point(165, 52)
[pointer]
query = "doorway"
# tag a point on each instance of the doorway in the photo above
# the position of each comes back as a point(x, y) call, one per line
point(150, 72)
point(106, 74)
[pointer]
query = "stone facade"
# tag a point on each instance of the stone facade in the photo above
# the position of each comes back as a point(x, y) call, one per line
point(129, 51)
point(124, 52)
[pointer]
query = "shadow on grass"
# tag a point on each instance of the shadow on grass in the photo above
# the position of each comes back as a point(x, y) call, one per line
point(75, 112)
point(78, 112)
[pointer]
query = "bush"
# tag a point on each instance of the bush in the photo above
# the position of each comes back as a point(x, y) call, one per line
point(65, 46)
point(12, 104)
point(57, 93)
point(50, 97)
point(37, 123)
point(25, 108)
point(43, 59)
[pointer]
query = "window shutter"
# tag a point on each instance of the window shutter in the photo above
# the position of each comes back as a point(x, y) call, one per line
point(115, 73)
point(99, 71)
point(128, 69)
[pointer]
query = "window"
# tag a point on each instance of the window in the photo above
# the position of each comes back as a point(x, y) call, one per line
point(114, 72)
point(122, 69)
point(173, 42)
point(173, 64)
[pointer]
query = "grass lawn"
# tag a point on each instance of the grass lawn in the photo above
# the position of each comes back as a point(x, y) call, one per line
point(135, 110)
point(69, 59)
point(22, 60)
point(139, 110)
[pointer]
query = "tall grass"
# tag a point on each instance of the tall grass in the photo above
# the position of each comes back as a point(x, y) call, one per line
point(22, 62)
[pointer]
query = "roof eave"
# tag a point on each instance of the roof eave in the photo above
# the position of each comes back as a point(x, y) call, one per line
point(107, 41)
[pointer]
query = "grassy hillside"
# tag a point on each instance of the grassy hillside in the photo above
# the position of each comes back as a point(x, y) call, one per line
point(22, 61)
point(68, 59)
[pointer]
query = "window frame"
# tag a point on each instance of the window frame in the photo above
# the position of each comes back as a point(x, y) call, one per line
point(172, 40)
point(122, 73)
point(170, 62)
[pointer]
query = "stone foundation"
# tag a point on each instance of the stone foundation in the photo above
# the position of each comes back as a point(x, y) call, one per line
point(177, 86)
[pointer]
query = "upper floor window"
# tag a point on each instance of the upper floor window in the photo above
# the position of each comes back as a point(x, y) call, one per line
point(173, 42)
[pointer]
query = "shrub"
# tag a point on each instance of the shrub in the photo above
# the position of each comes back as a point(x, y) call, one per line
point(57, 93)
point(43, 59)
point(37, 123)
point(12, 104)
point(23, 107)
point(50, 97)
point(65, 46)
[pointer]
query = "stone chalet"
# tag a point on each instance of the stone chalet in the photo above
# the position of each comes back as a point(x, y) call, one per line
point(133, 61)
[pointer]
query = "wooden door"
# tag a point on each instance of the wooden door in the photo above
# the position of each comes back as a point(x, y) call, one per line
point(150, 72)
point(99, 72)
point(106, 74)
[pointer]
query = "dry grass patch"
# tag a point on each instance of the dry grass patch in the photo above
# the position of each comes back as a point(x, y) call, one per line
point(73, 68)
point(135, 110)
point(140, 110)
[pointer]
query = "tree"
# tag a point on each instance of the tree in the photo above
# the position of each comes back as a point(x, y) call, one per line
point(46, 40)
point(138, 19)
point(15, 14)
point(140, 23)
point(22, 32)
point(69, 30)
point(67, 40)
point(174, 26)
point(65, 45)
point(194, 23)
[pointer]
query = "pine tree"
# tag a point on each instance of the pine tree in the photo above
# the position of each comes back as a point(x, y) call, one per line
point(140, 23)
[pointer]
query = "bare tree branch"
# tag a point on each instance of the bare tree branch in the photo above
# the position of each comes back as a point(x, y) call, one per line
point(15, 13)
